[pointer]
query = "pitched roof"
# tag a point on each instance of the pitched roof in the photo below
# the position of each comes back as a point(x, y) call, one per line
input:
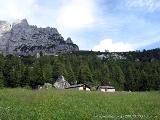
point(106, 87)
point(78, 85)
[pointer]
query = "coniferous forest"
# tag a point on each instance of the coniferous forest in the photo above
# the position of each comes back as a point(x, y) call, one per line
point(139, 72)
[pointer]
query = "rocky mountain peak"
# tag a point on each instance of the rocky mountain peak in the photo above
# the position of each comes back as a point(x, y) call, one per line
point(69, 40)
point(24, 39)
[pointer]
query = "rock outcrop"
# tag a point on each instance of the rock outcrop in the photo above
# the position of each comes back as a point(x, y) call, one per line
point(61, 83)
point(23, 39)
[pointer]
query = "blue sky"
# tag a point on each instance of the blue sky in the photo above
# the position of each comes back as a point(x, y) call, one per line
point(114, 25)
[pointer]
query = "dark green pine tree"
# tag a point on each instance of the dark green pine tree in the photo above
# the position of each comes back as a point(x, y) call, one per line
point(85, 75)
point(119, 77)
point(26, 77)
point(47, 72)
point(137, 78)
point(143, 81)
point(18, 71)
point(1, 80)
point(156, 81)
point(106, 75)
point(129, 79)
point(58, 70)
point(10, 72)
point(38, 77)
point(156, 84)
point(97, 77)
point(70, 76)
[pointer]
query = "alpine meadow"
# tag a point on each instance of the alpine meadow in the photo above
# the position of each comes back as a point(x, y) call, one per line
point(54, 104)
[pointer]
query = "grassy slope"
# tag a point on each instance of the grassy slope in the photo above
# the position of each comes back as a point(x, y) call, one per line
point(20, 104)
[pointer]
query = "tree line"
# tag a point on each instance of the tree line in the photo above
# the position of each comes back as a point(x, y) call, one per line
point(127, 74)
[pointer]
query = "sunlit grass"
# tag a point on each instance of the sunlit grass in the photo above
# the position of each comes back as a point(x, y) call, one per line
point(21, 104)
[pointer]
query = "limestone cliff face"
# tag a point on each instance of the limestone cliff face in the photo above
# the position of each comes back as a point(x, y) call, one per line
point(24, 39)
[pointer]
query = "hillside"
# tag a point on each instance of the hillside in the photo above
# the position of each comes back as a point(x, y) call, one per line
point(139, 71)
point(145, 55)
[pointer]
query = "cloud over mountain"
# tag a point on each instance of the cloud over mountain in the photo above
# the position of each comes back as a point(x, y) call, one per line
point(108, 44)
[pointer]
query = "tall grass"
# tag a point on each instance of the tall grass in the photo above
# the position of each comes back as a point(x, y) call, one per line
point(22, 104)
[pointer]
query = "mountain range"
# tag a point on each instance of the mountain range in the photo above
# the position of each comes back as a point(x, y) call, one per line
point(23, 39)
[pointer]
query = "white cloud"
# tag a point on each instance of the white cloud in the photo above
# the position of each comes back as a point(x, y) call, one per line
point(120, 46)
point(150, 5)
point(69, 15)
point(108, 44)
point(17, 9)
point(77, 14)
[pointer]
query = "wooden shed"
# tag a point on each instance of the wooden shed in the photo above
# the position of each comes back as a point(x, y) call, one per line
point(106, 88)
point(79, 87)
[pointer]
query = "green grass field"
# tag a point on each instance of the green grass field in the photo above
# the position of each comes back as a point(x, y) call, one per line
point(21, 104)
